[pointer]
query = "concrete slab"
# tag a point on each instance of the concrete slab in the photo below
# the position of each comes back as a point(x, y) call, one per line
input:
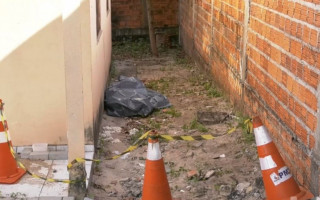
point(58, 155)
point(54, 189)
point(58, 171)
point(39, 155)
point(34, 188)
point(28, 186)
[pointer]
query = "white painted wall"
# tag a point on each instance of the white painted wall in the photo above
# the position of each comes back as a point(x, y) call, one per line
point(35, 56)
point(32, 70)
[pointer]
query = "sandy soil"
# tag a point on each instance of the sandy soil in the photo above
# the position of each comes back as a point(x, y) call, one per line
point(224, 168)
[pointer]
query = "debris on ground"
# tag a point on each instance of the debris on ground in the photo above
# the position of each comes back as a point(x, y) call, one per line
point(225, 168)
point(129, 97)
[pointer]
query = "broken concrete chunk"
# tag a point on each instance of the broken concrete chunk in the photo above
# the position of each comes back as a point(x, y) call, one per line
point(133, 131)
point(112, 129)
point(209, 174)
point(125, 156)
point(197, 144)
point(220, 156)
point(115, 141)
point(242, 186)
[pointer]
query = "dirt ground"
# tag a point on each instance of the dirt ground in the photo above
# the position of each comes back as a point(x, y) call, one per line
point(226, 167)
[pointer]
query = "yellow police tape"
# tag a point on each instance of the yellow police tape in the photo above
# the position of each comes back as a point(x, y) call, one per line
point(136, 144)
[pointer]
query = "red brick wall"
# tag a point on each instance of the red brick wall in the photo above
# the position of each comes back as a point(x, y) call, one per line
point(186, 25)
point(130, 14)
point(270, 62)
point(127, 14)
point(211, 31)
point(227, 45)
point(283, 69)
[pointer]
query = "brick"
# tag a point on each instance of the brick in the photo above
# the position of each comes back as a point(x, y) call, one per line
point(314, 38)
point(309, 55)
point(311, 16)
point(40, 155)
point(311, 77)
point(300, 111)
point(276, 55)
point(58, 155)
point(306, 34)
point(25, 153)
point(296, 48)
point(311, 121)
point(301, 133)
point(311, 142)
point(62, 148)
point(310, 99)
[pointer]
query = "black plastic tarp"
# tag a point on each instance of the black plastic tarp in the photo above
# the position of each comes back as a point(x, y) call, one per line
point(129, 97)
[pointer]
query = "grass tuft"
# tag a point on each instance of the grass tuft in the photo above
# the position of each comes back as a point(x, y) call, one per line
point(195, 125)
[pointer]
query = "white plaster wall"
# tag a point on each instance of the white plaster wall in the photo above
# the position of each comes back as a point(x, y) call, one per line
point(34, 55)
point(32, 70)
point(101, 54)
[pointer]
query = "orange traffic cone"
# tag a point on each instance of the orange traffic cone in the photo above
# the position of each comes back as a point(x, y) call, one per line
point(155, 186)
point(9, 172)
point(278, 181)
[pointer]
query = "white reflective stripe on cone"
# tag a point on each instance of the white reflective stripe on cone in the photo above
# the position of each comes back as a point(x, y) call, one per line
point(262, 136)
point(154, 151)
point(3, 138)
point(267, 163)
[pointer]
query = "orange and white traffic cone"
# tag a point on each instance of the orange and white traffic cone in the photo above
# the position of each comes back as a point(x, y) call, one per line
point(278, 181)
point(9, 172)
point(155, 184)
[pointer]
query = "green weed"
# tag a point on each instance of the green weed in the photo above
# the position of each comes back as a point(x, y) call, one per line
point(195, 125)
point(131, 49)
point(211, 90)
point(177, 173)
point(136, 136)
point(183, 60)
point(173, 112)
point(162, 85)
point(18, 195)
point(153, 124)
point(244, 124)
point(217, 186)
point(113, 71)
